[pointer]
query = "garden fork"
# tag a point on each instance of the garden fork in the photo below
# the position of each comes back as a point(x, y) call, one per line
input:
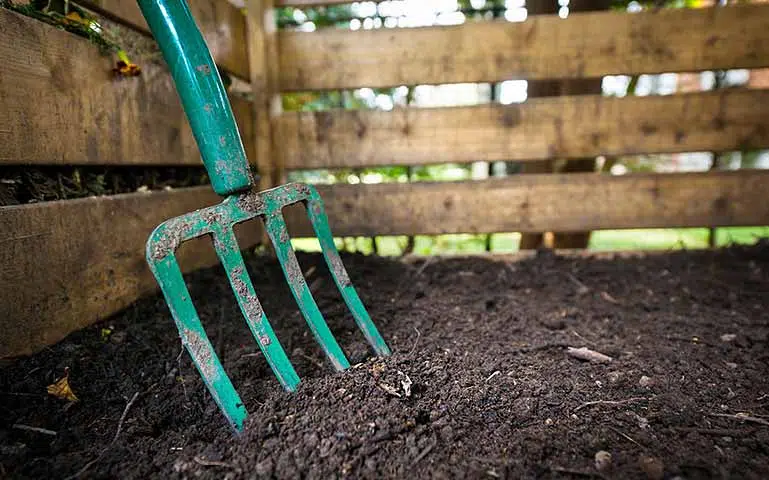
point(209, 113)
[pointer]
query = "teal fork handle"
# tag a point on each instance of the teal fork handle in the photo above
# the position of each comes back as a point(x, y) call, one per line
point(202, 93)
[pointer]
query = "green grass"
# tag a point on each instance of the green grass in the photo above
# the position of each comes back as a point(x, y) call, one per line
point(673, 239)
point(605, 240)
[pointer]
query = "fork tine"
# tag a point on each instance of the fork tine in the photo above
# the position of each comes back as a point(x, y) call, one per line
point(226, 246)
point(278, 233)
point(195, 340)
point(316, 213)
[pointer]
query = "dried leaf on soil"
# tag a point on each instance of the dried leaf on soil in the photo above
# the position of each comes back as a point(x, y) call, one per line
point(61, 389)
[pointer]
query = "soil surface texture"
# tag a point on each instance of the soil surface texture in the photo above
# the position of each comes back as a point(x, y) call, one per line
point(485, 379)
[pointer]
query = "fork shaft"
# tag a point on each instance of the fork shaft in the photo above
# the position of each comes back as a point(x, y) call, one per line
point(201, 92)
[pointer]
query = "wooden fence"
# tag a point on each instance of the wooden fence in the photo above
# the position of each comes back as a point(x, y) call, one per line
point(66, 264)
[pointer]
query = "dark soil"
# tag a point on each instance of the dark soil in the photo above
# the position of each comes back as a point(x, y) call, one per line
point(493, 392)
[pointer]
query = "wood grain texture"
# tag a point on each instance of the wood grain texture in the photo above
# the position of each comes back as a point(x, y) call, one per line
point(267, 104)
point(549, 202)
point(541, 128)
point(67, 264)
point(262, 49)
point(222, 24)
point(584, 45)
point(60, 104)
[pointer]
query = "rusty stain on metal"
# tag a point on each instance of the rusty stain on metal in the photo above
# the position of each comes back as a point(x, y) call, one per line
point(205, 68)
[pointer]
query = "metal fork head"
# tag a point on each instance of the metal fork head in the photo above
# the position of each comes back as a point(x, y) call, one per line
point(218, 221)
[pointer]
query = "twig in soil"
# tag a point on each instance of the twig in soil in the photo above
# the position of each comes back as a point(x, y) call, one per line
point(576, 334)
point(114, 439)
point(310, 272)
point(627, 437)
point(582, 288)
point(184, 386)
point(612, 402)
point(211, 463)
point(44, 431)
point(693, 339)
point(424, 453)
point(584, 353)
point(497, 372)
point(22, 394)
point(423, 266)
point(742, 416)
point(719, 432)
point(413, 349)
point(316, 284)
point(609, 298)
point(315, 361)
point(122, 417)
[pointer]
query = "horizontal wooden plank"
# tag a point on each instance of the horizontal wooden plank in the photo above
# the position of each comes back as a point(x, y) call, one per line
point(537, 203)
point(57, 276)
point(583, 45)
point(67, 264)
point(61, 104)
point(222, 24)
point(541, 128)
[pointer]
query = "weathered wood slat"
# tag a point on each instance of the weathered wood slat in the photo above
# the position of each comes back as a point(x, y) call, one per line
point(542, 128)
point(583, 45)
point(67, 264)
point(222, 24)
point(550, 202)
point(60, 104)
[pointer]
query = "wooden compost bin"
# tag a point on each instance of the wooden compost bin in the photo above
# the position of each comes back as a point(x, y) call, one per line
point(68, 264)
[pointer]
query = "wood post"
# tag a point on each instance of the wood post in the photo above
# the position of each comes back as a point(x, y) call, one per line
point(263, 62)
point(545, 88)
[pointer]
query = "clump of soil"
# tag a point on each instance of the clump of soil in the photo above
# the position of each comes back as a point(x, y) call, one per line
point(480, 383)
